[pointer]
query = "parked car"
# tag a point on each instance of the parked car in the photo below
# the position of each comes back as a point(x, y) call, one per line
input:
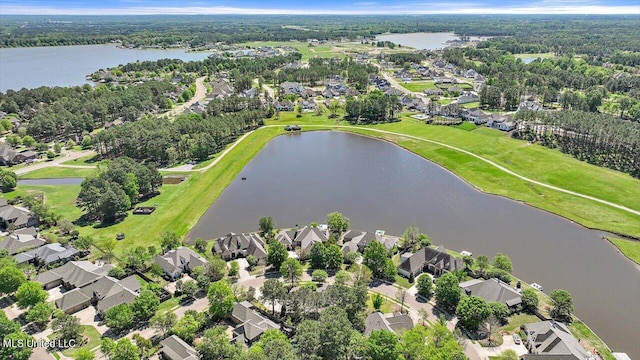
point(516, 339)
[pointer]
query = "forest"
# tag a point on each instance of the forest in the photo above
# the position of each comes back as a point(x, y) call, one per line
point(599, 139)
point(563, 34)
point(373, 109)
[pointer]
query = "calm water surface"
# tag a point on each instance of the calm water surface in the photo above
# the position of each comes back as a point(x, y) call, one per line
point(428, 41)
point(298, 179)
point(69, 65)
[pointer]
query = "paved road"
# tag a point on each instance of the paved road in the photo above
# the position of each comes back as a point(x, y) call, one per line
point(67, 155)
point(201, 92)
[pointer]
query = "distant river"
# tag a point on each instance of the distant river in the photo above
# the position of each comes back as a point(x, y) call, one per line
point(428, 41)
point(69, 65)
point(298, 179)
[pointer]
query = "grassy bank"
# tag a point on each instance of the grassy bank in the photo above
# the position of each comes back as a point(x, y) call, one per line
point(630, 248)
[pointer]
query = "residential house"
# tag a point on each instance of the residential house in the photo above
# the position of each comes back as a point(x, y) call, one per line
point(174, 348)
point(553, 340)
point(235, 245)
point(105, 293)
point(497, 121)
point(470, 74)
point(492, 290)
point(21, 240)
point(73, 274)
point(306, 237)
point(354, 240)
point(437, 261)
point(289, 88)
point(181, 260)
point(394, 322)
point(221, 89)
point(251, 93)
point(393, 92)
point(250, 323)
point(475, 116)
point(445, 80)
point(284, 105)
point(468, 97)
point(309, 105)
point(529, 105)
point(285, 238)
point(436, 91)
point(46, 255)
point(9, 156)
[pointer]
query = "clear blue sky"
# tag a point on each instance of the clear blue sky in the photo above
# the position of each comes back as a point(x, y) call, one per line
point(107, 7)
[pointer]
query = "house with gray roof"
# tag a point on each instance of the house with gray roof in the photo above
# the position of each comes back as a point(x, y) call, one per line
point(178, 261)
point(15, 216)
point(235, 245)
point(46, 255)
point(307, 236)
point(21, 240)
point(436, 261)
point(492, 290)
point(354, 240)
point(285, 238)
point(395, 322)
point(553, 340)
point(73, 274)
point(105, 293)
point(9, 156)
point(250, 323)
point(174, 348)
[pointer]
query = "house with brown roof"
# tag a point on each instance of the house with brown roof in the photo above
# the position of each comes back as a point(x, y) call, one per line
point(550, 340)
point(395, 322)
point(307, 236)
point(492, 290)
point(235, 245)
point(9, 156)
point(250, 323)
point(179, 261)
point(436, 261)
point(354, 240)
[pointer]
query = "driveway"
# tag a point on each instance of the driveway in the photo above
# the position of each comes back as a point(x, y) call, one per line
point(89, 316)
point(508, 343)
point(66, 156)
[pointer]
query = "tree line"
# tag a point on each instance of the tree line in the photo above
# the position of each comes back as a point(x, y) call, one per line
point(373, 109)
point(599, 139)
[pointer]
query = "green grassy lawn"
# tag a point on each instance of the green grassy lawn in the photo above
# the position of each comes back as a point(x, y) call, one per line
point(467, 126)
point(90, 160)
point(418, 86)
point(445, 101)
point(515, 321)
point(94, 340)
point(169, 304)
point(630, 248)
point(471, 105)
point(58, 172)
point(387, 305)
point(402, 282)
point(61, 198)
point(302, 47)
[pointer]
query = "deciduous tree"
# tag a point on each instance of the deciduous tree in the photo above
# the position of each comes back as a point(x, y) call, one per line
point(447, 292)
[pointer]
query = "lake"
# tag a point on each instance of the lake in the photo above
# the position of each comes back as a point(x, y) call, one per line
point(428, 41)
point(298, 179)
point(69, 65)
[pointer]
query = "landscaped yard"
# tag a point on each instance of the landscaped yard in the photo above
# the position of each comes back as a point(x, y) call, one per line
point(517, 320)
point(582, 332)
point(94, 340)
point(471, 105)
point(388, 305)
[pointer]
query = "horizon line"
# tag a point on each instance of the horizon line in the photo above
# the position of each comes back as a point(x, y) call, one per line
point(553, 10)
